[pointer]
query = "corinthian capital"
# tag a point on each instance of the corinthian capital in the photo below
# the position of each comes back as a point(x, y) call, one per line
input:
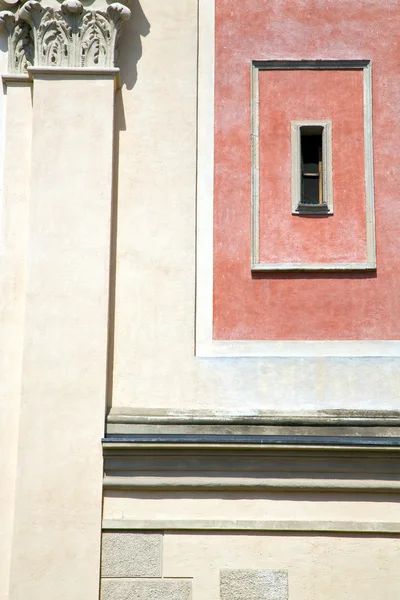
point(69, 36)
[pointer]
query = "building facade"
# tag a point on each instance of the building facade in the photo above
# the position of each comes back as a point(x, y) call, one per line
point(199, 282)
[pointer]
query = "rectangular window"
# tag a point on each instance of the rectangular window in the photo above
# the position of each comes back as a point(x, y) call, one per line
point(311, 165)
point(311, 168)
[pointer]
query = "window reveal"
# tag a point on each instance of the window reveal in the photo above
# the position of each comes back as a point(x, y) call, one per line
point(312, 168)
point(311, 165)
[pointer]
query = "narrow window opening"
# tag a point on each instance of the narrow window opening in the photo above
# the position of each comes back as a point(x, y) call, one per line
point(312, 189)
point(312, 168)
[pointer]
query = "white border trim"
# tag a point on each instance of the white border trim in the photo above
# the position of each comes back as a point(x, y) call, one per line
point(205, 176)
point(300, 349)
point(369, 167)
point(363, 65)
point(206, 347)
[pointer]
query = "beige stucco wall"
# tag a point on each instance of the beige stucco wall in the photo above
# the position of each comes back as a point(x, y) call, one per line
point(318, 566)
point(227, 566)
point(222, 506)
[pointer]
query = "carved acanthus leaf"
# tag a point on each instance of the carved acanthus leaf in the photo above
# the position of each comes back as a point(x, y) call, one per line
point(70, 36)
point(7, 21)
point(21, 48)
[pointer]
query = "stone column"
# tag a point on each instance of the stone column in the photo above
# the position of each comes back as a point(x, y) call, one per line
point(69, 56)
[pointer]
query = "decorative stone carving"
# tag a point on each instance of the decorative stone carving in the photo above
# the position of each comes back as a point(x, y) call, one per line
point(20, 45)
point(70, 36)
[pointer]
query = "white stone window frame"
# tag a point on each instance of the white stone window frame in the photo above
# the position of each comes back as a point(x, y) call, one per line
point(205, 345)
point(327, 187)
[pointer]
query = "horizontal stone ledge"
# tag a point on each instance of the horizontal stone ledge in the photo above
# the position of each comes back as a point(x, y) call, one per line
point(241, 467)
point(230, 455)
point(10, 79)
point(89, 71)
point(124, 446)
point(75, 73)
point(61, 72)
point(118, 430)
point(241, 525)
point(182, 483)
point(269, 441)
point(355, 418)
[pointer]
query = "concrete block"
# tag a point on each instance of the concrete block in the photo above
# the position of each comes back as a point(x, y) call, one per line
point(142, 589)
point(126, 554)
point(253, 585)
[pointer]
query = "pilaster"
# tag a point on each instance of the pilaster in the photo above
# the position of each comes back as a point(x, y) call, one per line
point(68, 55)
point(14, 227)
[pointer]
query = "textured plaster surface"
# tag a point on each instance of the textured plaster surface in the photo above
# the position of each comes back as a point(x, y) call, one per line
point(287, 96)
point(141, 589)
point(295, 306)
point(131, 554)
point(242, 584)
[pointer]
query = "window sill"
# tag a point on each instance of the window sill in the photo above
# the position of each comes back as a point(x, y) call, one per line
point(312, 209)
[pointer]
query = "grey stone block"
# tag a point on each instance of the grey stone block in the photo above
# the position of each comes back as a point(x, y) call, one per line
point(249, 584)
point(126, 554)
point(142, 589)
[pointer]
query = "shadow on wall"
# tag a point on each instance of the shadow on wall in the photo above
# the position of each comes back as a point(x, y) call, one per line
point(130, 49)
point(315, 275)
point(3, 41)
point(130, 44)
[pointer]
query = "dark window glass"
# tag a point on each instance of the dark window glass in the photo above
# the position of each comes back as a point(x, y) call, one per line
point(311, 165)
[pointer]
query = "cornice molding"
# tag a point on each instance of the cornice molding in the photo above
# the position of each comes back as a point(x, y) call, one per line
point(346, 427)
point(69, 36)
point(332, 417)
point(136, 465)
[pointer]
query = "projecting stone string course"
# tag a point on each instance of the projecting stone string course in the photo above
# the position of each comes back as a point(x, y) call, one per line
point(70, 36)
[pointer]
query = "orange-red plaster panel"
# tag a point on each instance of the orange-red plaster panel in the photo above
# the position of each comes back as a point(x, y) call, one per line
point(293, 95)
point(296, 306)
